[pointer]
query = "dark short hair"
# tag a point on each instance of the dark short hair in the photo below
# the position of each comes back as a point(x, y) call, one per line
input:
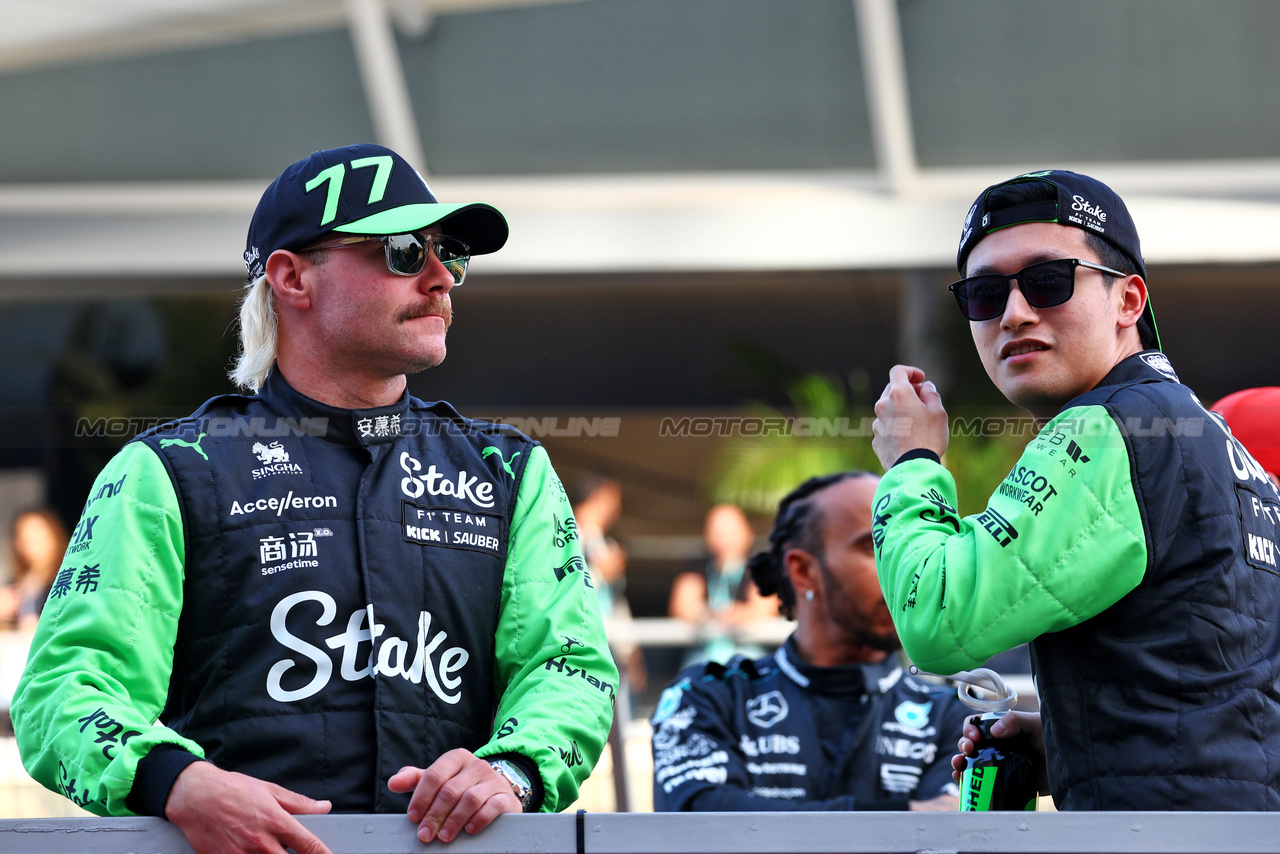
point(795, 526)
point(1027, 192)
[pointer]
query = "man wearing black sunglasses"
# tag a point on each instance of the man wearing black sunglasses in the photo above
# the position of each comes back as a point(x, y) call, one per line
point(339, 596)
point(1133, 545)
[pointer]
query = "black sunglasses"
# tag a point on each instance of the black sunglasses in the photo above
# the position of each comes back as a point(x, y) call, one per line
point(407, 253)
point(1043, 285)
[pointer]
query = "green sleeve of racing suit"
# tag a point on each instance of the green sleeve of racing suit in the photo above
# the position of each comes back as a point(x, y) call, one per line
point(98, 670)
point(554, 674)
point(1060, 541)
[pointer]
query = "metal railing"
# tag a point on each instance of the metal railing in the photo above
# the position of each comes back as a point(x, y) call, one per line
point(20, 796)
point(716, 833)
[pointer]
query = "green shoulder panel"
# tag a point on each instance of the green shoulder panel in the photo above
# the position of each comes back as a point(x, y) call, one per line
point(554, 674)
point(1060, 541)
point(97, 674)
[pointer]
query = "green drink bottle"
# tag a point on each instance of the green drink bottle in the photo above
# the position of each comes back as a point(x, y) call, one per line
point(1001, 774)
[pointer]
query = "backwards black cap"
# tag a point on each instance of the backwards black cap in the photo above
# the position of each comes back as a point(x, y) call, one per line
point(1080, 201)
point(359, 189)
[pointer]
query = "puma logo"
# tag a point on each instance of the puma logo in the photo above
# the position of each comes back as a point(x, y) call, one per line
point(164, 443)
point(506, 464)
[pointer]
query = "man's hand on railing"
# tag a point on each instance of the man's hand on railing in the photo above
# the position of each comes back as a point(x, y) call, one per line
point(458, 791)
point(223, 812)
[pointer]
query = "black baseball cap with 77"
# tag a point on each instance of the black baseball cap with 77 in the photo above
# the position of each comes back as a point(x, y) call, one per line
point(359, 189)
point(1075, 200)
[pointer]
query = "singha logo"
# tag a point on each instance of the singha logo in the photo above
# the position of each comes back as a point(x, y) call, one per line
point(268, 454)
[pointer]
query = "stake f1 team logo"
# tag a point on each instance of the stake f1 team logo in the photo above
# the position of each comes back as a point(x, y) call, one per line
point(767, 709)
point(435, 483)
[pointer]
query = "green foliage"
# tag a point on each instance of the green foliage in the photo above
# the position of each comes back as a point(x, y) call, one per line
point(755, 472)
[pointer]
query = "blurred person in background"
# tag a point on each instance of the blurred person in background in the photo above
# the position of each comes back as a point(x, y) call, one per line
point(828, 722)
point(722, 596)
point(328, 594)
point(597, 506)
point(1134, 542)
point(37, 542)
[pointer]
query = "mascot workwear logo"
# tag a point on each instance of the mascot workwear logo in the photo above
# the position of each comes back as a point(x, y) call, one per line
point(432, 482)
point(767, 709)
point(388, 655)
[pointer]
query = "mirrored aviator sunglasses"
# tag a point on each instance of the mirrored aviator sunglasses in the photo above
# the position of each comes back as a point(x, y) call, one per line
point(406, 254)
point(1043, 285)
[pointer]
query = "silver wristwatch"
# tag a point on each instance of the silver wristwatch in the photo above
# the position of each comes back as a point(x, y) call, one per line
point(519, 781)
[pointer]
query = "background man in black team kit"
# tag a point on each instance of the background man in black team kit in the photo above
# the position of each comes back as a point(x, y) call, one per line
point(830, 721)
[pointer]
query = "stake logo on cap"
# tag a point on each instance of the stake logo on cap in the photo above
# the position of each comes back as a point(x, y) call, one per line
point(359, 189)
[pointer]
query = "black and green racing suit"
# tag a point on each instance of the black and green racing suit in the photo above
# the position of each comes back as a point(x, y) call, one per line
point(1134, 546)
point(317, 597)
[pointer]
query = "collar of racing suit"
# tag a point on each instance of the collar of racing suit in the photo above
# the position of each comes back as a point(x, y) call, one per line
point(352, 427)
point(866, 678)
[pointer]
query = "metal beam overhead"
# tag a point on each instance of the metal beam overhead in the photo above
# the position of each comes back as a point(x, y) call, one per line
point(880, 37)
point(383, 77)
